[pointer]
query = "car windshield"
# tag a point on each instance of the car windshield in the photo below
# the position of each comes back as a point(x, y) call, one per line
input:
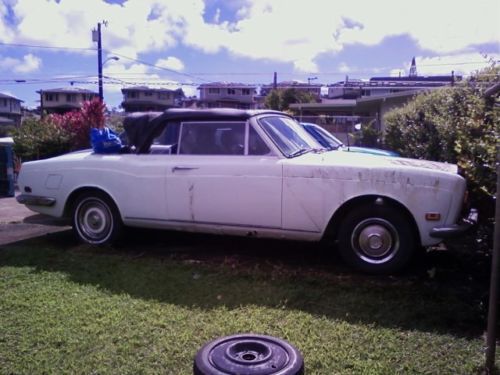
point(289, 136)
point(324, 137)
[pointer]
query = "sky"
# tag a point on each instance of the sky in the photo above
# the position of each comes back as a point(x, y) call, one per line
point(184, 43)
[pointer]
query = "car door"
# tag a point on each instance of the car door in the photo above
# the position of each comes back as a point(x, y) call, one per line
point(218, 177)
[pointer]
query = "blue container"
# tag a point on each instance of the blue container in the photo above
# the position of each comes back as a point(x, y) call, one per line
point(6, 167)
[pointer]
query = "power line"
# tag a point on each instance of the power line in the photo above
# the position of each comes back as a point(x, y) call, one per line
point(47, 47)
point(155, 66)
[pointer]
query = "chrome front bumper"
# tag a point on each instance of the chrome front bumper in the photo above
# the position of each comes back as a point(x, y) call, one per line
point(35, 200)
point(455, 230)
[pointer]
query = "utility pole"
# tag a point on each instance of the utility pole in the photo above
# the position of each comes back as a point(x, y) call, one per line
point(96, 37)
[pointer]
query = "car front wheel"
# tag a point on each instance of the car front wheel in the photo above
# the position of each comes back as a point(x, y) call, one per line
point(376, 239)
point(96, 219)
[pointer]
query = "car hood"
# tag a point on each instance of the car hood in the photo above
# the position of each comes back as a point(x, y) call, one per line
point(362, 161)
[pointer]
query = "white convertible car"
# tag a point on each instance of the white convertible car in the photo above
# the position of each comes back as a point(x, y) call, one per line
point(251, 173)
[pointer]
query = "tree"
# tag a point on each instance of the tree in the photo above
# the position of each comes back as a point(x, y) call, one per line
point(280, 99)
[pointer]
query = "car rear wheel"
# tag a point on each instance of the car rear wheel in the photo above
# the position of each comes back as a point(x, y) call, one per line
point(96, 219)
point(376, 239)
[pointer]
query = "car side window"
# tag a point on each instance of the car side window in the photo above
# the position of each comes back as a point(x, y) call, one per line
point(166, 142)
point(256, 146)
point(212, 138)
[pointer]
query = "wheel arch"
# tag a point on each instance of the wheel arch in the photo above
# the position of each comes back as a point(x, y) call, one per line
point(82, 190)
point(332, 228)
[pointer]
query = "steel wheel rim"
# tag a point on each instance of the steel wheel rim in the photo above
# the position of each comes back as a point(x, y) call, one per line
point(94, 220)
point(375, 240)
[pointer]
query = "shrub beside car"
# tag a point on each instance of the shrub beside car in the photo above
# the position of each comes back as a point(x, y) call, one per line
point(455, 125)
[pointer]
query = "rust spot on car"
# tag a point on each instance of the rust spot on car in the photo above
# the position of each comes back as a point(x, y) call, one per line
point(191, 201)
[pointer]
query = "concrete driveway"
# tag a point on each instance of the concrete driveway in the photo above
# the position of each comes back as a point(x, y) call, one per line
point(17, 223)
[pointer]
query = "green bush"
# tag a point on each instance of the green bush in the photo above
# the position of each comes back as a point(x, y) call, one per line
point(40, 139)
point(456, 125)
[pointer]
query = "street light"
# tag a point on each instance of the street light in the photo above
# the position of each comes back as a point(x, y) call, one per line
point(115, 58)
point(101, 64)
point(311, 79)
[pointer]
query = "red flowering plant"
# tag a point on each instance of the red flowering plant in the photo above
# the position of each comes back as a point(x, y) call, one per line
point(79, 123)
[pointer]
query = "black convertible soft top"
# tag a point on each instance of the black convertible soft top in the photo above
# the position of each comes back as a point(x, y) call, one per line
point(143, 127)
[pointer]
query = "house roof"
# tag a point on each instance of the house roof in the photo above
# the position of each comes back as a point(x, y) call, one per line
point(447, 78)
point(68, 90)
point(227, 84)
point(7, 96)
point(146, 88)
point(294, 84)
point(352, 103)
point(326, 104)
point(381, 98)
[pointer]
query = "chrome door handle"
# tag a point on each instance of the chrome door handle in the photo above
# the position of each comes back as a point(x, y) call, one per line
point(183, 168)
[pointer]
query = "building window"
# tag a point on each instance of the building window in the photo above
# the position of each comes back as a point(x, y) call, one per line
point(213, 90)
point(71, 98)
point(4, 102)
point(163, 95)
point(231, 91)
point(148, 93)
point(52, 97)
point(245, 91)
point(132, 95)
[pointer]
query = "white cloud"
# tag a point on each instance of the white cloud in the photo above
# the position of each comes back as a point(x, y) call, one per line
point(171, 63)
point(294, 32)
point(29, 63)
point(298, 32)
point(344, 68)
point(136, 26)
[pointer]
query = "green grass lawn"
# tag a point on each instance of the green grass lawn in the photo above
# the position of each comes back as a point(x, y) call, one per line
point(67, 308)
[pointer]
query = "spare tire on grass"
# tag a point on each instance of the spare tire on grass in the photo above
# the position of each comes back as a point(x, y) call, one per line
point(248, 354)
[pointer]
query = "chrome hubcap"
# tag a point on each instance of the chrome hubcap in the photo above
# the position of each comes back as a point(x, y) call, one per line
point(375, 240)
point(94, 220)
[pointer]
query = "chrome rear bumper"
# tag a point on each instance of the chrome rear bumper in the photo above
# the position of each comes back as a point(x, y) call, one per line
point(35, 200)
